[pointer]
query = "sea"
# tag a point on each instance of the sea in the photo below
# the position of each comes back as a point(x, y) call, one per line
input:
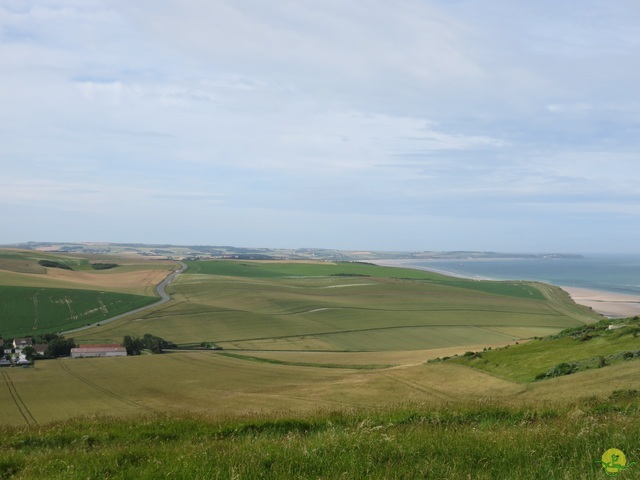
point(605, 272)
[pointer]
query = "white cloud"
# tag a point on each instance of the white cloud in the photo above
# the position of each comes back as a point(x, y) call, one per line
point(569, 108)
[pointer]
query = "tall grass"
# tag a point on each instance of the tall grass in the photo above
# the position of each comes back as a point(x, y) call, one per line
point(476, 440)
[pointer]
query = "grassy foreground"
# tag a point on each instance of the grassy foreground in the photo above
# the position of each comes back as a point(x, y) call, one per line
point(481, 440)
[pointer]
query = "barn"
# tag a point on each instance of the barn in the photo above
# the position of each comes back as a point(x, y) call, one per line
point(101, 350)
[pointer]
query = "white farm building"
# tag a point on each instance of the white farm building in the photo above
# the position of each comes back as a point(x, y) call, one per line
point(105, 350)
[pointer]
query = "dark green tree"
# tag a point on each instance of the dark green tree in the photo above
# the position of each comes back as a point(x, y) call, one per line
point(29, 352)
point(60, 347)
point(46, 337)
point(148, 341)
point(134, 345)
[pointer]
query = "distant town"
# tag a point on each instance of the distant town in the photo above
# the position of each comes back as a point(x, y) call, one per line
point(196, 252)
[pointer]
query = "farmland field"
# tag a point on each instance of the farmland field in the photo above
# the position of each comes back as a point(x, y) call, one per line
point(211, 384)
point(294, 306)
point(36, 299)
point(136, 276)
point(31, 311)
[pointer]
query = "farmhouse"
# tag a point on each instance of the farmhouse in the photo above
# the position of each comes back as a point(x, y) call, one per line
point(101, 350)
point(40, 349)
point(22, 342)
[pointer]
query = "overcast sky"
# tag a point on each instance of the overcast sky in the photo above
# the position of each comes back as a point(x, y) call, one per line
point(389, 125)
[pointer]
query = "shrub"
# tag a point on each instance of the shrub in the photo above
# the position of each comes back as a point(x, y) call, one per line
point(627, 355)
point(103, 266)
point(53, 264)
point(561, 370)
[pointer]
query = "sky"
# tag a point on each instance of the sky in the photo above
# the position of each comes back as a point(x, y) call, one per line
point(412, 125)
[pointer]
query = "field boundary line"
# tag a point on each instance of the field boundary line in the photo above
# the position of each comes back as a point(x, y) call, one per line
point(17, 399)
point(390, 327)
point(552, 313)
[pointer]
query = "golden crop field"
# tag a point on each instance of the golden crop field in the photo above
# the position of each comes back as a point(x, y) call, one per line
point(211, 384)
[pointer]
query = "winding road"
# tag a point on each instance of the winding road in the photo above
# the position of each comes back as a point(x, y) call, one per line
point(160, 289)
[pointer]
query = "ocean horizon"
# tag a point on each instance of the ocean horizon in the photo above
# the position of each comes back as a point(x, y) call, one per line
point(617, 273)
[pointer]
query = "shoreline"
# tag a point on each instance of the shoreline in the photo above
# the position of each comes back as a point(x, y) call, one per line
point(608, 304)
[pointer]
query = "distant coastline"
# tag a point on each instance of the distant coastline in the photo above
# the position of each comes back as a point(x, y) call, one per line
point(608, 303)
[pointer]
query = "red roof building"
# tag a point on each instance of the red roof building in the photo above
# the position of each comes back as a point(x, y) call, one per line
point(99, 350)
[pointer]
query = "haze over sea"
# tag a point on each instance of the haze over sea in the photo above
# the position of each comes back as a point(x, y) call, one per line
point(606, 272)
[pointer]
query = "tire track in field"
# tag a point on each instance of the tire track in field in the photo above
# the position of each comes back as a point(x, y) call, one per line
point(104, 390)
point(35, 310)
point(17, 399)
point(417, 386)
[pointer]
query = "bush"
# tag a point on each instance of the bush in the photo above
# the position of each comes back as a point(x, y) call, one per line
point(104, 266)
point(627, 355)
point(561, 370)
point(52, 264)
point(60, 347)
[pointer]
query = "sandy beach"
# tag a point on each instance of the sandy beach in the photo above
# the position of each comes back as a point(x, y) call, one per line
point(608, 304)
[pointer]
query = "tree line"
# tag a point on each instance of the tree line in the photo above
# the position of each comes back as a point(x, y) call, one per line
point(135, 345)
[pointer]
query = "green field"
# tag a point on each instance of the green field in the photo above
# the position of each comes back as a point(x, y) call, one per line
point(31, 311)
point(36, 299)
point(26, 261)
point(245, 305)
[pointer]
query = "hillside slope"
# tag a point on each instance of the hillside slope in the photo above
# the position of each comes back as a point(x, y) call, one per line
point(323, 306)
